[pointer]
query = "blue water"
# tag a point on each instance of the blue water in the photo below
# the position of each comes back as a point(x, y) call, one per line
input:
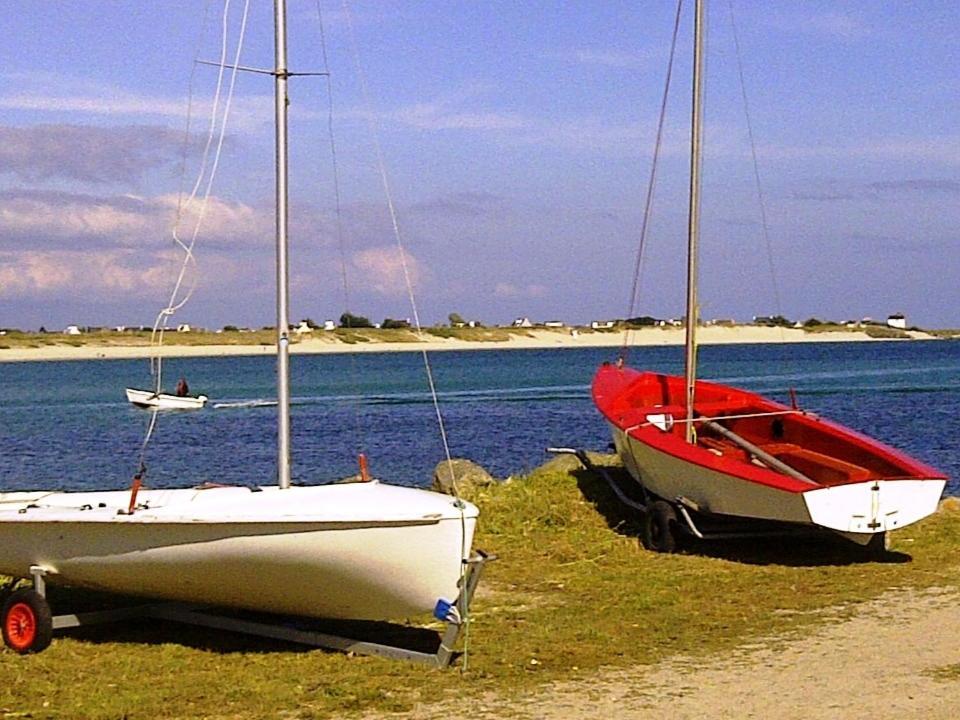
point(68, 425)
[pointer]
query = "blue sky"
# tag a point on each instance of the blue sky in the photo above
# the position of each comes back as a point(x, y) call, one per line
point(517, 139)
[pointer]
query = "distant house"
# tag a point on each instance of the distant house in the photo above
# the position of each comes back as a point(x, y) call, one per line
point(303, 327)
point(602, 324)
point(184, 328)
point(553, 324)
point(329, 325)
point(523, 322)
point(897, 320)
point(72, 330)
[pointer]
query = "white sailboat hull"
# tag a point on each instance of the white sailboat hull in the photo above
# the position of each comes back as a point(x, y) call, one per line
point(360, 551)
point(856, 510)
point(165, 401)
point(715, 492)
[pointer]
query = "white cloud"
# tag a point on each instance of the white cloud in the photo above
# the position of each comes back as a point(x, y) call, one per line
point(248, 112)
point(65, 220)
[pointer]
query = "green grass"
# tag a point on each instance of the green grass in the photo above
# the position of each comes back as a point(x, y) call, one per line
point(886, 333)
point(572, 593)
point(477, 334)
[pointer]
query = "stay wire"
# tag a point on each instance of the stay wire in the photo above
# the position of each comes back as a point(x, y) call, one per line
point(648, 204)
point(756, 169)
point(375, 131)
point(341, 243)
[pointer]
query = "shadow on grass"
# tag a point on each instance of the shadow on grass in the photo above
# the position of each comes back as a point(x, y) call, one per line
point(779, 544)
point(149, 630)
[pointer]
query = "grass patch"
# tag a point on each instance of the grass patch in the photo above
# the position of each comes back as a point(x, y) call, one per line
point(477, 334)
point(886, 333)
point(572, 593)
point(830, 328)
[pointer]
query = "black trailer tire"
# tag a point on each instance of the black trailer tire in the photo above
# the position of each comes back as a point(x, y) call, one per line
point(27, 622)
point(660, 528)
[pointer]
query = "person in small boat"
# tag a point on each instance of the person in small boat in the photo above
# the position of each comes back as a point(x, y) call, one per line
point(182, 388)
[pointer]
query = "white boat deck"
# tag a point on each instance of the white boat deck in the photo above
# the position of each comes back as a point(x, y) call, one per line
point(355, 503)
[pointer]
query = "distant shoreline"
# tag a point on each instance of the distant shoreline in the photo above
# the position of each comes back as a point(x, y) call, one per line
point(529, 339)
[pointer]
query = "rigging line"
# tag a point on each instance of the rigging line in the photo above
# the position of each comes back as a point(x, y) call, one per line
point(650, 187)
point(160, 324)
point(213, 171)
point(756, 169)
point(173, 306)
point(375, 131)
point(155, 362)
point(385, 181)
point(341, 243)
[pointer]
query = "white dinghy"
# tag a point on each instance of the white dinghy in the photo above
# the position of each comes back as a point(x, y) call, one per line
point(165, 401)
point(365, 551)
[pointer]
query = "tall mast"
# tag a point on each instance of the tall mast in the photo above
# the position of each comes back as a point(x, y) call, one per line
point(693, 227)
point(283, 283)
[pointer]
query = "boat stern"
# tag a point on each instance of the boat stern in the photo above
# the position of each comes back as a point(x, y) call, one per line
point(875, 506)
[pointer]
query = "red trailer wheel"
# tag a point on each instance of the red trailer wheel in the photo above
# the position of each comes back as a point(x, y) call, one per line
point(27, 622)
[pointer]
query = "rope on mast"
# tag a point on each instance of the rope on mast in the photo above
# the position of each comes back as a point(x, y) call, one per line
point(177, 301)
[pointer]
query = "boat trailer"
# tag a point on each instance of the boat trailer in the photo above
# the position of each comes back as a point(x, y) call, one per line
point(28, 624)
point(661, 518)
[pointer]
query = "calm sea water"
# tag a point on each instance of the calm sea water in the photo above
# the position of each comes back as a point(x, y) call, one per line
point(68, 425)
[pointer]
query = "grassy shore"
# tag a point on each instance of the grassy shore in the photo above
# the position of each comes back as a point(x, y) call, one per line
point(17, 346)
point(571, 594)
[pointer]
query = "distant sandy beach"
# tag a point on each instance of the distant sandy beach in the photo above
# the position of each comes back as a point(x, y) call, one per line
point(533, 339)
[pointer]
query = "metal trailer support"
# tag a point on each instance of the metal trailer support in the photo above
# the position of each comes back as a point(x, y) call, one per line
point(682, 505)
point(456, 619)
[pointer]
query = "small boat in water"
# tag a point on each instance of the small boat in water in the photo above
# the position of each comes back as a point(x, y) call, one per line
point(165, 401)
point(700, 447)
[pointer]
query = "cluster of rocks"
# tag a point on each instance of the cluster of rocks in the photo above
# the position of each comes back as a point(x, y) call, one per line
point(467, 475)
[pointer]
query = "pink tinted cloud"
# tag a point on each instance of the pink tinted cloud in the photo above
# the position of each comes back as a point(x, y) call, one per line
point(93, 274)
point(99, 275)
point(382, 270)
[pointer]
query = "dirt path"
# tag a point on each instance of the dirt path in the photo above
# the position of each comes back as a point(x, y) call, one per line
point(897, 658)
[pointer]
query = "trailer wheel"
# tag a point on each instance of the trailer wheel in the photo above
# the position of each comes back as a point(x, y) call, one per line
point(27, 622)
point(659, 528)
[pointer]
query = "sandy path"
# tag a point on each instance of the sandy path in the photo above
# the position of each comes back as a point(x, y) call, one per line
point(880, 664)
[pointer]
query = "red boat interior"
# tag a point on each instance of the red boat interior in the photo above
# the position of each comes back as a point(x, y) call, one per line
point(741, 427)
